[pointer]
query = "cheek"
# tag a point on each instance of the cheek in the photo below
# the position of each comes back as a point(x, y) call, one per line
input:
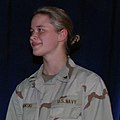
point(50, 40)
point(50, 43)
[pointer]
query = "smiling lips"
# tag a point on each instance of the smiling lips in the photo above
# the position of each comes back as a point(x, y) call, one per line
point(35, 44)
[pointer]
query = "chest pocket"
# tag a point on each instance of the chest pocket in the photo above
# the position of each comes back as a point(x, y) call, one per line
point(29, 111)
point(68, 107)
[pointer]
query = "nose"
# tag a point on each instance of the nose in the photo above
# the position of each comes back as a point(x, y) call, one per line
point(33, 36)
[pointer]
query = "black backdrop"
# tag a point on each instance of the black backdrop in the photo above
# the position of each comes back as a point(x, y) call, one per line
point(97, 21)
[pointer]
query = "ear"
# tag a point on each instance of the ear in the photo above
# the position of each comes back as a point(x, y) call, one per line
point(63, 35)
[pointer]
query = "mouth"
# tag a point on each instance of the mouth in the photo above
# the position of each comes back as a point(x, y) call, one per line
point(36, 45)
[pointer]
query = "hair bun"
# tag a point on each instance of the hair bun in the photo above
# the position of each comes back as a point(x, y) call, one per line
point(74, 44)
point(75, 39)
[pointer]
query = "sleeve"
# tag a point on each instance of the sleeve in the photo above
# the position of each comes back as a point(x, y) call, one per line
point(97, 102)
point(14, 111)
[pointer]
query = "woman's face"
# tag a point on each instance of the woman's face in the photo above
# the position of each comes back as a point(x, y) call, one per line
point(44, 37)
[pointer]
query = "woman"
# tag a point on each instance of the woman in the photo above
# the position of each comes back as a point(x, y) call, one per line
point(60, 89)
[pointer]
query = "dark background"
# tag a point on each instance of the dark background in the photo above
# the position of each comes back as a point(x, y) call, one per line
point(98, 23)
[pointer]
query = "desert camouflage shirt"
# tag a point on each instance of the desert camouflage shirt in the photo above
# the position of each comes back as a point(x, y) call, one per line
point(74, 94)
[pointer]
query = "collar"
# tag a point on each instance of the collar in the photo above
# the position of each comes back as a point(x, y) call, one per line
point(62, 76)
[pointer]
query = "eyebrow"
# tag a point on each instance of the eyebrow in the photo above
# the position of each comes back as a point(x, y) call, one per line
point(38, 26)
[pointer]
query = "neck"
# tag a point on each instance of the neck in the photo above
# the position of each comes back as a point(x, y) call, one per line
point(53, 65)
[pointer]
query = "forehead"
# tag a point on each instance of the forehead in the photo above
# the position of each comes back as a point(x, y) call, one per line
point(40, 19)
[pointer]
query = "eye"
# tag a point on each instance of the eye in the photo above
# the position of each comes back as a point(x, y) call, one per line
point(41, 30)
point(31, 31)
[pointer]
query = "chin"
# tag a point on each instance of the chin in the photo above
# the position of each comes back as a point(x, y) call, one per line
point(36, 54)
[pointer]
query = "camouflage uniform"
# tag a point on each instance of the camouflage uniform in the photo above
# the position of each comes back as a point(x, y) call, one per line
point(74, 94)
